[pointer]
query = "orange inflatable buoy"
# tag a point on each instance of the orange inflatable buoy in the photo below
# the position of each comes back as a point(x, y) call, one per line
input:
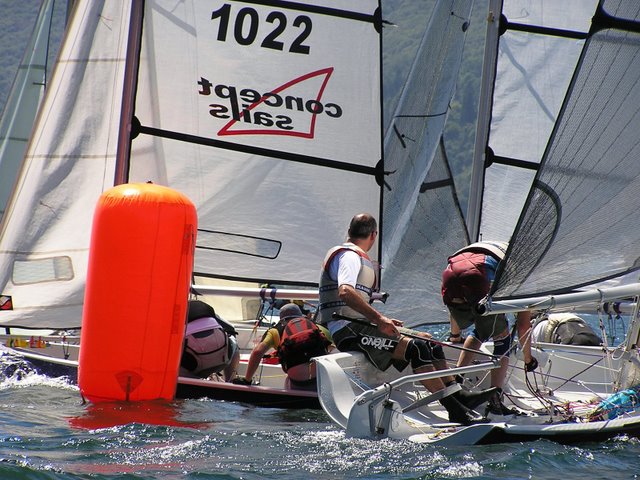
point(135, 307)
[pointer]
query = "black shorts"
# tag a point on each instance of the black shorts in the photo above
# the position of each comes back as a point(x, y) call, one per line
point(377, 346)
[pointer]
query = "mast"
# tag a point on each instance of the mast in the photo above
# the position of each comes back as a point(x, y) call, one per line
point(474, 207)
point(129, 92)
point(380, 165)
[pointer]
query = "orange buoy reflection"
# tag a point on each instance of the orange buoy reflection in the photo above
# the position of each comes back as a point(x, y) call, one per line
point(152, 412)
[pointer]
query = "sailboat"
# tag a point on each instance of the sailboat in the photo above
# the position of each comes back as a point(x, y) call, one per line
point(267, 116)
point(561, 255)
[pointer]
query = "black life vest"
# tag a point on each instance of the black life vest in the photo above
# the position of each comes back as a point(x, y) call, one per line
point(300, 340)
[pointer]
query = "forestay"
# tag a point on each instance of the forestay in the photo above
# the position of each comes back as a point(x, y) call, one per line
point(576, 229)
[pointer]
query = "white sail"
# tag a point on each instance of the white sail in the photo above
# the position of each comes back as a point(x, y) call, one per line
point(70, 161)
point(575, 228)
point(266, 116)
point(422, 219)
point(275, 184)
point(22, 103)
point(526, 79)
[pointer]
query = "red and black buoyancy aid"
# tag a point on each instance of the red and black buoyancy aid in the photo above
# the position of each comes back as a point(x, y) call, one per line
point(470, 272)
point(300, 340)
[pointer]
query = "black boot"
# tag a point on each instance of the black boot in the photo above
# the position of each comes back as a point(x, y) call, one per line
point(497, 407)
point(472, 399)
point(458, 413)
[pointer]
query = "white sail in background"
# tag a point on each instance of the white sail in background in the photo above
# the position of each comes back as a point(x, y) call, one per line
point(423, 223)
point(524, 85)
point(23, 102)
point(267, 117)
point(44, 243)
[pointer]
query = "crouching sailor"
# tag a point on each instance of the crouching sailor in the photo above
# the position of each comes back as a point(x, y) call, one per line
point(296, 340)
point(210, 344)
point(564, 329)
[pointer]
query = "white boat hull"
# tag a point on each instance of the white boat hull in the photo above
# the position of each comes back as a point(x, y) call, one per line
point(368, 403)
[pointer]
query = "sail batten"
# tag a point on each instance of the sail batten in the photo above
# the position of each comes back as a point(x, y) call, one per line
point(261, 151)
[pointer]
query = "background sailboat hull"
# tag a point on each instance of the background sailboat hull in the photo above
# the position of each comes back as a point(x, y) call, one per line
point(254, 394)
point(258, 395)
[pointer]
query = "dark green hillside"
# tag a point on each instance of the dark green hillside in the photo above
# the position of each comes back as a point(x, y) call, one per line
point(400, 43)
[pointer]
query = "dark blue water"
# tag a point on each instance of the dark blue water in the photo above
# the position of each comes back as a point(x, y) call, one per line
point(47, 433)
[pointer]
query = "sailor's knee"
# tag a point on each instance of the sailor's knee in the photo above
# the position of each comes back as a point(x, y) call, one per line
point(501, 346)
point(421, 353)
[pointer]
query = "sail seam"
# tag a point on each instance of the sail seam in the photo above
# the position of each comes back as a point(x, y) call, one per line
point(293, 157)
point(334, 12)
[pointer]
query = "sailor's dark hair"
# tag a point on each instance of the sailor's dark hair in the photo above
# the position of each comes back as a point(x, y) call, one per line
point(199, 309)
point(362, 225)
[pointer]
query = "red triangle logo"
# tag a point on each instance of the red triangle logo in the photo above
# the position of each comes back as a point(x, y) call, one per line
point(6, 303)
point(234, 127)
